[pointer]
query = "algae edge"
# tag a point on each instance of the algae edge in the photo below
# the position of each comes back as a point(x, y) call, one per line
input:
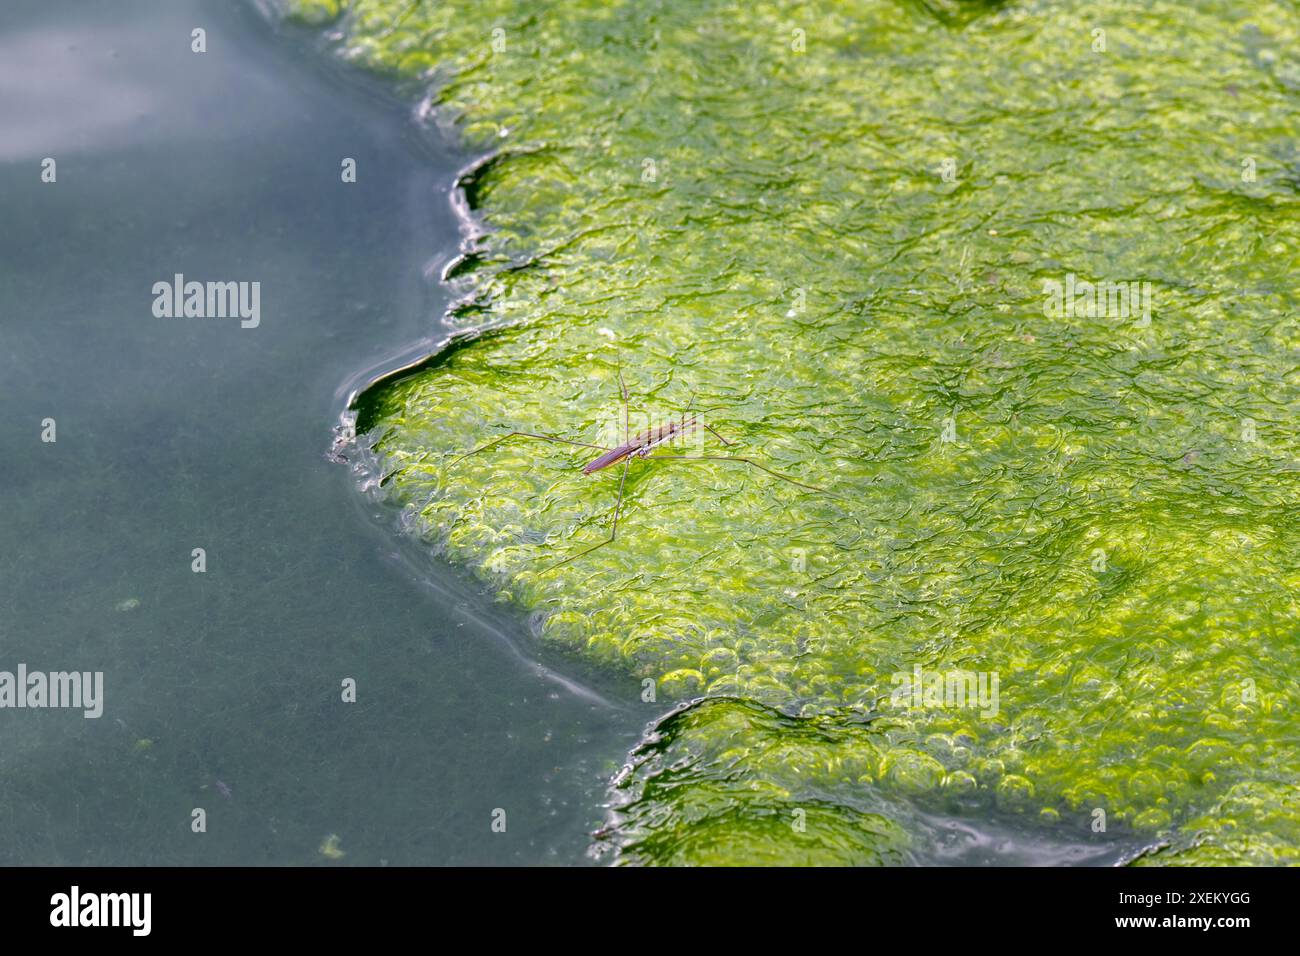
point(1154, 682)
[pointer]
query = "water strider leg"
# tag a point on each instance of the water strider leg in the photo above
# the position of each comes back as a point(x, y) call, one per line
point(618, 507)
point(497, 441)
point(717, 436)
point(627, 416)
point(747, 461)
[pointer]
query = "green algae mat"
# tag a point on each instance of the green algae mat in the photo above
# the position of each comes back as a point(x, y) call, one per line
point(1013, 283)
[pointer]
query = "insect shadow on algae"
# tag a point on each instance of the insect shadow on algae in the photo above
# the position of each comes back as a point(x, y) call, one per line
point(639, 446)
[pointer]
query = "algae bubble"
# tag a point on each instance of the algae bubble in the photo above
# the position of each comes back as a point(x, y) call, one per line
point(1014, 281)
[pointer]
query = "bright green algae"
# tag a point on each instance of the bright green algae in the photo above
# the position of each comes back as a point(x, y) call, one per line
point(681, 191)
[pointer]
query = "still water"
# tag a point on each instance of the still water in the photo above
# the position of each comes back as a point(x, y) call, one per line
point(222, 689)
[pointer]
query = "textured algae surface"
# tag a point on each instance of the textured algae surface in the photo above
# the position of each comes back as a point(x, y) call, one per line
point(830, 227)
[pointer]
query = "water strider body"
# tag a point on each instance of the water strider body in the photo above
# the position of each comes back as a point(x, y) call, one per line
point(639, 446)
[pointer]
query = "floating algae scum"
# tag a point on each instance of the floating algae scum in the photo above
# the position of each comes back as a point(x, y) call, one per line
point(861, 217)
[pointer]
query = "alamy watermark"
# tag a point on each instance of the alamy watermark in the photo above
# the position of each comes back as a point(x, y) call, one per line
point(208, 300)
point(921, 689)
point(76, 909)
point(1078, 298)
point(37, 689)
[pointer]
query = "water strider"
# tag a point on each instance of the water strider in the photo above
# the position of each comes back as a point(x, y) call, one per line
point(639, 445)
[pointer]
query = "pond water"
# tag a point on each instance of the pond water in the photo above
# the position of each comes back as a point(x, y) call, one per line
point(222, 689)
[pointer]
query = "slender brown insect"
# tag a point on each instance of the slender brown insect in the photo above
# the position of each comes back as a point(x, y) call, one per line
point(639, 445)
